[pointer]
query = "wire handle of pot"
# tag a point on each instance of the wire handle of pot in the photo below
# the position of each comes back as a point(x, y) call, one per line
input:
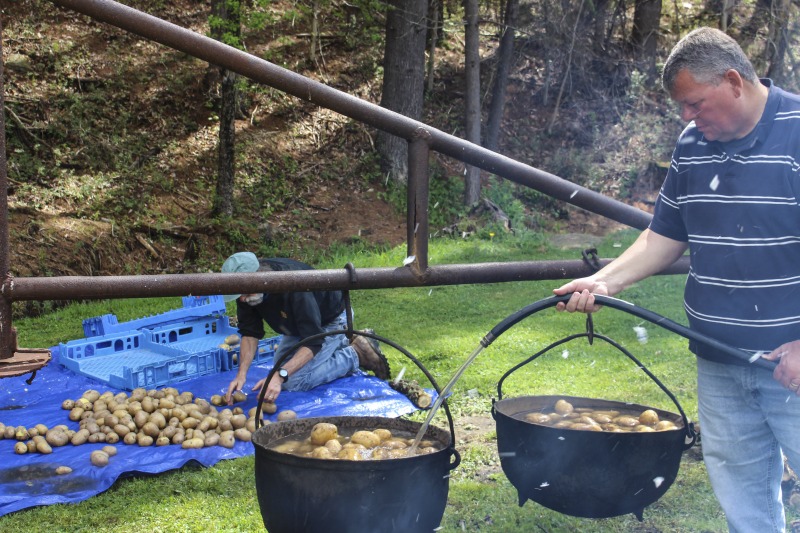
point(635, 310)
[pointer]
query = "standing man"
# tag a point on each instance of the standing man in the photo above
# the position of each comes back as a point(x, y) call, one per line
point(730, 197)
point(296, 316)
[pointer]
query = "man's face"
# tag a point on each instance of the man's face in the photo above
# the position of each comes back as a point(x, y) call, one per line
point(715, 109)
point(251, 299)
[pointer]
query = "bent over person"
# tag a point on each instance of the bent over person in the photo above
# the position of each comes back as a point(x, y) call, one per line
point(730, 197)
point(296, 316)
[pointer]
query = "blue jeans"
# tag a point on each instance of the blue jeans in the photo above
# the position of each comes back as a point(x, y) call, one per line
point(746, 420)
point(335, 359)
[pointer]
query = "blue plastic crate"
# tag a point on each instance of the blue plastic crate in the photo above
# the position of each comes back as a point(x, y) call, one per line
point(229, 359)
point(161, 349)
point(167, 372)
point(193, 307)
point(210, 333)
point(99, 346)
point(193, 335)
point(131, 360)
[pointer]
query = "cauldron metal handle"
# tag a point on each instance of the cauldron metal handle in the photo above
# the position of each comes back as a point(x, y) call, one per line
point(350, 332)
point(640, 312)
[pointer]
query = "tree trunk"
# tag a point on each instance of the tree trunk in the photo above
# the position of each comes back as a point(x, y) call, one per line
point(472, 72)
point(403, 78)
point(567, 68)
point(228, 20)
point(602, 27)
point(314, 31)
point(760, 15)
point(644, 38)
point(725, 15)
point(777, 42)
point(226, 156)
point(505, 56)
point(433, 41)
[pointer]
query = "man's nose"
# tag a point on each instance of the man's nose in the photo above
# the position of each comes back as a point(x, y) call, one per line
point(688, 113)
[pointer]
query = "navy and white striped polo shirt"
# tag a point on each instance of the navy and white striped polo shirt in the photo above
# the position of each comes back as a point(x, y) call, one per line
point(736, 204)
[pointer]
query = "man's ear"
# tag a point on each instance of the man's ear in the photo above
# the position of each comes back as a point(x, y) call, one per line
point(733, 77)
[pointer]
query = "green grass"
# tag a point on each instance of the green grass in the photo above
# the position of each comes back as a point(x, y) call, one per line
point(441, 326)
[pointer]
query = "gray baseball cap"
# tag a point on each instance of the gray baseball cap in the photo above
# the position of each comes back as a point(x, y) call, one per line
point(239, 262)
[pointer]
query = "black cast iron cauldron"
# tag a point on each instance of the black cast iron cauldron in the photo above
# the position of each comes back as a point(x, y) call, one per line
point(304, 494)
point(585, 473)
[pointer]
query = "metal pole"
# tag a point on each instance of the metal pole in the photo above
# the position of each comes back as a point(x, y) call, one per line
point(7, 341)
point(418, 199)
point(13, 361)
point(141, 286)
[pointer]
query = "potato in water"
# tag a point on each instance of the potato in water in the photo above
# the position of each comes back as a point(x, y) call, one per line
point(323, 432)
point(565, 416)
point(563, 407)
point(648, 418)
point(325, 441)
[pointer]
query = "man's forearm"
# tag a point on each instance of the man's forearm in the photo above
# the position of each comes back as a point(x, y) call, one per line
point(247, 352)
point(650, 254)
point(302, 356)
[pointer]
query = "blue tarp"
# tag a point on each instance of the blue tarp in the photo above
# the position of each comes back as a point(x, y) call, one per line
point(29, 480)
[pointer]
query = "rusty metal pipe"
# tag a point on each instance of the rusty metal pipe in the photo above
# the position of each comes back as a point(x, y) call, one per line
point(304, 88)
point(8, 341)
point(142, 286)
point(418, 195)
point(13, 361)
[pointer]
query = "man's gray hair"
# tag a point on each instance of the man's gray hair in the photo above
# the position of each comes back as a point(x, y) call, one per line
point(707, 53)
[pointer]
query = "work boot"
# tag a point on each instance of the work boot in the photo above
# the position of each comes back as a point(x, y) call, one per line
point(370, 357)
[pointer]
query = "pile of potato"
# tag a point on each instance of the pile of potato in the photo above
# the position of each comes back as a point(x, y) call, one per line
point(145, 417)
point(565, 415)
point(325, 442)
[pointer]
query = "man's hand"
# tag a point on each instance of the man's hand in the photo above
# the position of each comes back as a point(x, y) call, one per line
point(650, 254)
point(235, 385)
point(273, 389)
point(787, 373)
point(582, 299)
point(247, 350)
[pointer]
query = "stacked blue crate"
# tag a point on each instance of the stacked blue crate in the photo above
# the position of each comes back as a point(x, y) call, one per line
point(130, 360)
point(193, 307)
point(229, 357)
point(159, 350)
point(211, 333)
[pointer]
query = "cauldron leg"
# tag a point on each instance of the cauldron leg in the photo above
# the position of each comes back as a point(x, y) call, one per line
point(639, 514)
point(522, 498)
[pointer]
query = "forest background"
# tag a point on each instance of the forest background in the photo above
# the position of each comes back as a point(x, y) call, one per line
point(113, 142)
